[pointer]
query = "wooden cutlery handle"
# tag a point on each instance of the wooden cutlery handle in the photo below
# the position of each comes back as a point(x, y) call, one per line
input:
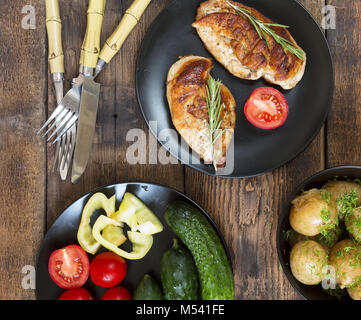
point(126, 25)
point(91, 44)
point(53, 27)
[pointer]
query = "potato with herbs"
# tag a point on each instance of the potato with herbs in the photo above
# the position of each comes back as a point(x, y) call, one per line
point(345, 257)
point(353, 223)
point(355, 292)
point(311, 213)
point(308, 260)
point(343, 195)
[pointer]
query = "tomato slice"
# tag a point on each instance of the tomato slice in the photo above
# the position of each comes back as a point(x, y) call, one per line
point(266, 108)
point(69, 267)
point(76, 294)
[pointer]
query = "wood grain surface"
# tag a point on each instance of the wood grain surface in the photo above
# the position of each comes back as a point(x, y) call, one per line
point(23, 96)
point(343, 126)
point(246, 210)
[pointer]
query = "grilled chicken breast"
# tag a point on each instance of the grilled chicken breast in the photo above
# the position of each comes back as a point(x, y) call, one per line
point(186, 93)
point(235, 43)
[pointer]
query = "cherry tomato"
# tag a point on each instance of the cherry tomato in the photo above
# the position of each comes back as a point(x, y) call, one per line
point(69, 267)
point(76, 294)
point(266, 108)
point(107, 269)
point(116, 293)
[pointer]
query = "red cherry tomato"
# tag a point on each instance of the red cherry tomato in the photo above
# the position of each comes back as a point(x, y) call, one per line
point(116, 293)
point(107, 269)
point(266, 108)
point(76, 294)
point(69, 267)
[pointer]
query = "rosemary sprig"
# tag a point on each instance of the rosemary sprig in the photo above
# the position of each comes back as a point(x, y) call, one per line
point(263, 29)
point(214, 107)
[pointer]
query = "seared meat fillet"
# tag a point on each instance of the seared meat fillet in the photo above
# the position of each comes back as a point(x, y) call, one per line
point(235, 43)
point(186, 93)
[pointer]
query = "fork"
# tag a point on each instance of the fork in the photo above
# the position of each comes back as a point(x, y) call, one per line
point(56, 59)
point(64, 115)
point(65, 146)
point(67, 151)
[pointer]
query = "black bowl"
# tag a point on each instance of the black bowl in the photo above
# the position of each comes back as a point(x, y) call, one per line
point(283, 247)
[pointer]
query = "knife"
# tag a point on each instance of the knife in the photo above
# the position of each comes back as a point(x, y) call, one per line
point(91, 89)
point(56, 59)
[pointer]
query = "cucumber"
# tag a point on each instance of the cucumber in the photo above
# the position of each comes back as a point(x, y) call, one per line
point(148, 289)
point(178, 274)
point(214, 270)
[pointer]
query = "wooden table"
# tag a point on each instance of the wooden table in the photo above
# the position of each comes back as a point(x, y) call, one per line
point(246, 210)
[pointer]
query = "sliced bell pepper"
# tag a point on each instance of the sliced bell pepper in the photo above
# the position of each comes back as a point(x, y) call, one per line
point(126, 214)
point(137, 215)
point(114, 234)
point(141, 243)
point(85, 236)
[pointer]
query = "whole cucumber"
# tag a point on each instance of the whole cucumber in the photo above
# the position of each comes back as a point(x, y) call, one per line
point(179, 274)
point(148, 289)
point(214, 270)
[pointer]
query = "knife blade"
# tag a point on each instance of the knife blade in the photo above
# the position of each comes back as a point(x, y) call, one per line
point(86, 126)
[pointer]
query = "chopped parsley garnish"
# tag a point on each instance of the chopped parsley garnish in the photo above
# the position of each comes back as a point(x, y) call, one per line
point(354, 226)
point(288, 234)
point(325, 194)
point(346, 203)
point(325, 214)
point(348, 249)
point(329, 235)
point(337, 292)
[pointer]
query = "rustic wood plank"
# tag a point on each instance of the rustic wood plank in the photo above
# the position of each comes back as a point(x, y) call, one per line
point(22, 157)
point(247, 212)
point(343, 127)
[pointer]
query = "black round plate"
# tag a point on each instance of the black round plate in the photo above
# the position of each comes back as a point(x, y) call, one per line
point(283, 246)
point(256, 151)
point(64, 232)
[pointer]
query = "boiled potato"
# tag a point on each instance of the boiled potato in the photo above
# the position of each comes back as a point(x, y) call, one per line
point(338, 188)
point(310, 212)
point(355, 292)
point(308, 259)
point(345, 257)
point(353, 224)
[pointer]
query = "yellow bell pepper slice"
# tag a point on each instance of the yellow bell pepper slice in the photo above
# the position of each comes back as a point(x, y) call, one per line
point(137, 215)
point(85, 236)
point(126, 214)
point(114, 234)
point(141, 243)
